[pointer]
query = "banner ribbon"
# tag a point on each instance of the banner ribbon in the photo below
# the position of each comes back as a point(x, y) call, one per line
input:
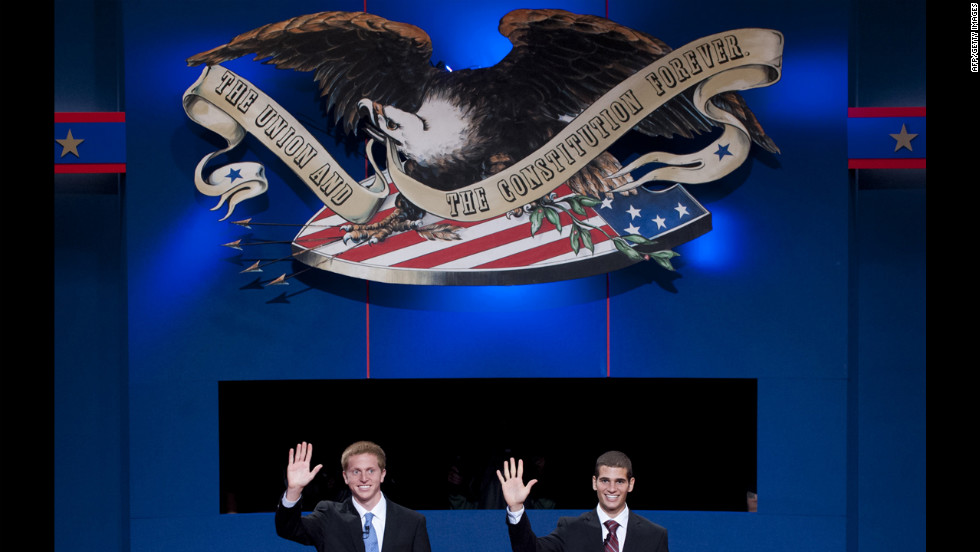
point(730, 61)
point(230, 106)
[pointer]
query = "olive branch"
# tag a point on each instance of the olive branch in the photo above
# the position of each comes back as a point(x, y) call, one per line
point(548, 209)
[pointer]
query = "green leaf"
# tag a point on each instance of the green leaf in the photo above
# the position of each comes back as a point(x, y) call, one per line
point(536, 218)
point(665, 254)
point(626, 249)
point(636, 238)
point(664, 263)
point(588, 201)
point(576, 206)
point(663, 258)
point(552, 217)
point(574, 238)
point(587, 240)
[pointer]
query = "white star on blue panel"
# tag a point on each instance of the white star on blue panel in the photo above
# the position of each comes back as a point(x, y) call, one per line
point(625, 215)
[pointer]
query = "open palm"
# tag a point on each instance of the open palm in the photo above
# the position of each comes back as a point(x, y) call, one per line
point(298, 472)
point(512, 484)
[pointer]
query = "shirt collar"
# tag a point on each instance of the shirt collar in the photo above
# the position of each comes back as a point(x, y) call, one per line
point(621, 519)
point(379, 510)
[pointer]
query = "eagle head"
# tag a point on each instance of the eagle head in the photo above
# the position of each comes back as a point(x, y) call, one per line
point(438, 133)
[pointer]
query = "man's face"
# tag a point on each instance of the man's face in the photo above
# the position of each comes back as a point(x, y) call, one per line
point(611, 485)
point(364, 477)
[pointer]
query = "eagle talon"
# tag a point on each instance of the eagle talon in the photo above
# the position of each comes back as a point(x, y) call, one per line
point(400, 220)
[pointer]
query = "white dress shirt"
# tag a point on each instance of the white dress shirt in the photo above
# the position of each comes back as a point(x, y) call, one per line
point(380, 512)
point(621, 519)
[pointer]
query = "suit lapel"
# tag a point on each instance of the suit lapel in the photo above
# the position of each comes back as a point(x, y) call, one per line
point(591, 520)
point(354, 529)
point(391, 521)
point(634, 534)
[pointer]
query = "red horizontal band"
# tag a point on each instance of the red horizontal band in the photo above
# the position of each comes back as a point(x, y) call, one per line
point(85, 168)
point(886, 111)
point(104, 117)
point(886, 163)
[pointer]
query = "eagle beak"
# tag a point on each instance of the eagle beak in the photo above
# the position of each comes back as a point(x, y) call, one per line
point(373, 132)
point(372, 110)
point(371, 113)
point(367, 111)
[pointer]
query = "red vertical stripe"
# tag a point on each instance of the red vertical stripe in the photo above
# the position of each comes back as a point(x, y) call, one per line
point(608, 345)
point(367, 325)
point(367, 283)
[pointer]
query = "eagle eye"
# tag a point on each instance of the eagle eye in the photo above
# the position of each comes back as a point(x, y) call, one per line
point(392, 125)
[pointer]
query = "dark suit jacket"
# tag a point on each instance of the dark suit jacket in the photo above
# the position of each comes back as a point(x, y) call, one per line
point(583, 534)
point(336, 527)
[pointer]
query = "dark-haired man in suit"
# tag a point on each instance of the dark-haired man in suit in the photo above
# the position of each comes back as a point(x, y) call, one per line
point(611, 527)
point(366, 522)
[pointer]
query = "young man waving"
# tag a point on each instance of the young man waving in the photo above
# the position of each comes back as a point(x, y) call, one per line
point(366, 522)
point(610, 525)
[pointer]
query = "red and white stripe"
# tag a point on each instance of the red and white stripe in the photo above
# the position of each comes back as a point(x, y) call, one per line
point(499, 243)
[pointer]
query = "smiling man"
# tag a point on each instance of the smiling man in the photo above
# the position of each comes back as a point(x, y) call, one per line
point(367, 522)
point(611, 527)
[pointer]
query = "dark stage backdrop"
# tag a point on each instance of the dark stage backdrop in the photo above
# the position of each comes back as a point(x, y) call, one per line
point(444, 450)
point(771, 295)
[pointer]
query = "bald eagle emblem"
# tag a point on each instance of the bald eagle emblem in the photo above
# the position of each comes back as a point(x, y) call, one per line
point(495, 175)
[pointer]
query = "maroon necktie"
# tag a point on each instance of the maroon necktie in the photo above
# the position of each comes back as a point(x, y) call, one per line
point(612, 541)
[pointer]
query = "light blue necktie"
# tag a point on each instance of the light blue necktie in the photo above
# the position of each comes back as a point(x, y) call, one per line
point(370, 536)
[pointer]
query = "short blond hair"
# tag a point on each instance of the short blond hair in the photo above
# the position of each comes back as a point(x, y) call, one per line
point(362, 447)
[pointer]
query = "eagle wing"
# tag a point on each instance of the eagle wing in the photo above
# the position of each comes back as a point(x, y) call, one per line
point(353, 55)
point(570, 60)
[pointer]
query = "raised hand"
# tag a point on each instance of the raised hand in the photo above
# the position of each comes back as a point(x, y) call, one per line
point(512, 484)
point(298, 472)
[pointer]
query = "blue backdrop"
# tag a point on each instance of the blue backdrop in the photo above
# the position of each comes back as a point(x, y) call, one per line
point(795, 286)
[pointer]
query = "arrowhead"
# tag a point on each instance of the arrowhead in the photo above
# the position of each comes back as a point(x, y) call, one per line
point(280, 281)
point(244, 223)
point(253, 268)
point(234, 245)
